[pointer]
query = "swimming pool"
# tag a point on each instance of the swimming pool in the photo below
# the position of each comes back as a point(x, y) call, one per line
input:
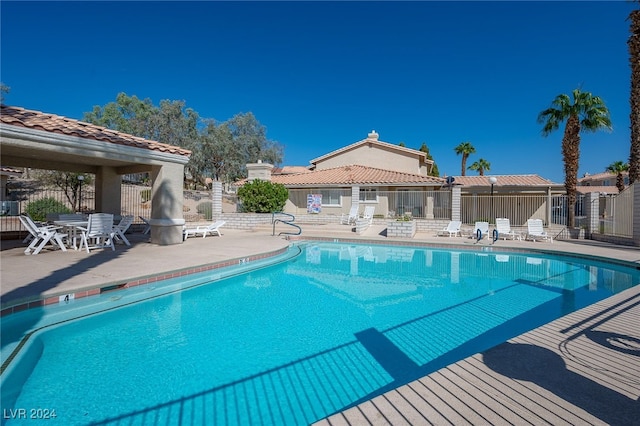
point(293, 342)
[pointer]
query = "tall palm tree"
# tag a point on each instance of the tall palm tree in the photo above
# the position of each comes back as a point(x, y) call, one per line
point(586, 113)
point(618, 167)
point(480, 166)
point(634, 60)
point(464, 149)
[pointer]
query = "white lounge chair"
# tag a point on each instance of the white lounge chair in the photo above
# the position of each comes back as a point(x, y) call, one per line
point(483, 228)
point(452, 229)
point(535, 231)
point(121, 228)
point(147, 225)
point(99, 232)
point(503, 226)
point(212, 229)
point(42, 235)
point(367, 214)
point(350, 219)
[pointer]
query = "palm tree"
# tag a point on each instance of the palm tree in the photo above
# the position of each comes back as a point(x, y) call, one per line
point(465, 148)
point(586, 113)
point(618, 167)
point(634, 59)
point(481, 166)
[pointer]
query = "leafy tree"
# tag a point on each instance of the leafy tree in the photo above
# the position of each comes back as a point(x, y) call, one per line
point(4, 90)
point(434, 169)
point(402, 144)
point(262, 196)
point(220, 150)
point(250, 138)
point(480, 166)
point(229, 146)
point(586, 113)
point(127, 114)
point(171, 123)
point(465, 149)
point(68, 182)
point(634, 60)
point(618, 167)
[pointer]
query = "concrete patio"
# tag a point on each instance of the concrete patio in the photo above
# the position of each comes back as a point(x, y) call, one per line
point(583, 368)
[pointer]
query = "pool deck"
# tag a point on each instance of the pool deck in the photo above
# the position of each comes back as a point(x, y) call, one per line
point(583, 368)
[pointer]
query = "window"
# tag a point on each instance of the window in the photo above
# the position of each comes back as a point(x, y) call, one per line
point(368, 195)
point(330, 197)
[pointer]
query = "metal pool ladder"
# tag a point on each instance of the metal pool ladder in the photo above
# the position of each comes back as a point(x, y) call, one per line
point(289, 221)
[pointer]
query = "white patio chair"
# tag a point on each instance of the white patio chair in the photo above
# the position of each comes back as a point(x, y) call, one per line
point(42, 235)
point(99, 232)
point(367, 214)
point(503, 226)
point(482, 227)
point(121, 228)
point(452, 229)
point(212, 229)
point(350, 219)
point(535, 231)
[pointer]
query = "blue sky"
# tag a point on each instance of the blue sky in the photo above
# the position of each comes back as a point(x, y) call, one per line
point(321, 75)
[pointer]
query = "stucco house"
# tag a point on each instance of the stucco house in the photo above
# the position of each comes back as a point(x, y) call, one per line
point(604, 183)
point(393, 178)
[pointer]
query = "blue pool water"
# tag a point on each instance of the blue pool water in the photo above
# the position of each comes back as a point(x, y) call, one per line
point(292, 342)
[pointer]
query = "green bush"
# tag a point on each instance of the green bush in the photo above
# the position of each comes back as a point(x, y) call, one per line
point(262, 196)
point(39, 209)
point(205, 209)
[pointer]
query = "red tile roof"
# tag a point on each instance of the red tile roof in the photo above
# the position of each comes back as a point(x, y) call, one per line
point(584, 189)
point(353, 175)
point(599, 176)
point(37, 120)
point(504, 180)
point(287, 170)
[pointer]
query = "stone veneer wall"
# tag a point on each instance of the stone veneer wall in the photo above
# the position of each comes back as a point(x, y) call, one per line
point(399, 229)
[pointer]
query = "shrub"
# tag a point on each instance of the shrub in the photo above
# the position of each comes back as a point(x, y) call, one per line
point(262, 196)
point(39, 209)
point(205, 209)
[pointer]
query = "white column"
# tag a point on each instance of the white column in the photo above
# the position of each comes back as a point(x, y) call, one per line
point(108, 191)
point(592, 201)
point(216, 196)
point(355, 195)
point(167, 200)
point(456, 203)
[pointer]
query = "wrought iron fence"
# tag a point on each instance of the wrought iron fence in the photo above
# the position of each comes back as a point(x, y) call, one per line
point(419, 204)
point(617, 213)
point(552, 209)
point(135, 201)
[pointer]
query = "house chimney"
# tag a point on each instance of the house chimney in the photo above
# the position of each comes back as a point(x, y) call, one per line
point(259, 170)
point(373, 135)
